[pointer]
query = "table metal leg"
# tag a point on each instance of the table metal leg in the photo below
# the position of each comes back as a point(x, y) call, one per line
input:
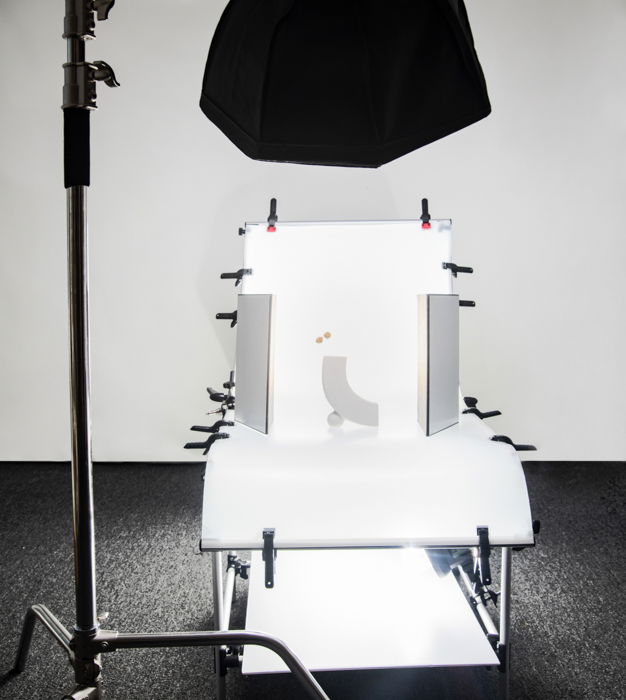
point(51, 623)
point(229, 590)
point(504, 645)
point(218, 622)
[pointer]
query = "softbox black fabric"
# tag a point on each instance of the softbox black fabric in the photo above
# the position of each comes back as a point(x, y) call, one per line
point(342, 82)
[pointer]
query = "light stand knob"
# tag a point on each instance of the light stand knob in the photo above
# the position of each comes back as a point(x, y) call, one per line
point(102, 8)
point(103, 71)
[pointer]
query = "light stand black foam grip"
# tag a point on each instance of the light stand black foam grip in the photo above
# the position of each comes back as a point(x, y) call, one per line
point(76, 146)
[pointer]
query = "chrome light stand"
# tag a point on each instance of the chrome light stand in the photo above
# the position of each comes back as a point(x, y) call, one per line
point(87, 642)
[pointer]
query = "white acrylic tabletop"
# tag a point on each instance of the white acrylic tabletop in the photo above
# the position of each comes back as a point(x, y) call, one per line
point(355, 486)
point(339, 609)
point(358, 489)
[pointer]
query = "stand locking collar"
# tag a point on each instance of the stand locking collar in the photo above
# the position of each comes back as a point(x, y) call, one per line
point(79, 89)
point(80, 17)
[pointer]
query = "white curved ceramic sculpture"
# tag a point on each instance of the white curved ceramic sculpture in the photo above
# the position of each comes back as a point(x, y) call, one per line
point(344, 400)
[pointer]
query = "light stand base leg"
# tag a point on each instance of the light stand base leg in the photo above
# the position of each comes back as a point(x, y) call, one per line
point(108, 640)
point(82, 692)
point(218, 623)
point(54, 627)
point(63, 637)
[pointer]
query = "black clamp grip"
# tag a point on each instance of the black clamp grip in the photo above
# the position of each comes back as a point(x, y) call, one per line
point(425, 217)
point(236, 275)
point(206, 446)
point(232, 317)
point(467, 302)
point(272, 219)
point(269, 555)
point(229, 401)
point(103, 71)
point(471, 403)
point(508, 441)
point(455, 269)
point(217, 396)
point(484, 550)
point(482, 414)
point(212, 428)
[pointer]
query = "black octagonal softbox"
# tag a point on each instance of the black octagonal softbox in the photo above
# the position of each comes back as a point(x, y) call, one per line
point(342, 82)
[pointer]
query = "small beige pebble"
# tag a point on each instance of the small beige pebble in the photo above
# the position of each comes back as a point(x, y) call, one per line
point(319, 339)
point(327, 335)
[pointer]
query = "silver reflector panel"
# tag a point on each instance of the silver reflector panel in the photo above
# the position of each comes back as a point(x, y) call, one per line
point(438, 371)
point(253, 361)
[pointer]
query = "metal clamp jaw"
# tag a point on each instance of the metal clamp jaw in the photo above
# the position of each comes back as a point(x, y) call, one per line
point(230, 657)
point(471, 403)
point(230, 384)
point(483, 569)
point(241, 566)
point(269, 555)
point(226, 399)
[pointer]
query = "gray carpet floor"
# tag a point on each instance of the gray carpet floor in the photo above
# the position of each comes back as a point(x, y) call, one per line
point(568, 603)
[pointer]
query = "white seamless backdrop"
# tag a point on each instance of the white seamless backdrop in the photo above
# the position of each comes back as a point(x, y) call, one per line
point(536, 193)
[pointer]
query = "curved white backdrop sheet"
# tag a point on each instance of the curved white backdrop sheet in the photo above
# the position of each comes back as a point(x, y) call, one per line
point(359, 282)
